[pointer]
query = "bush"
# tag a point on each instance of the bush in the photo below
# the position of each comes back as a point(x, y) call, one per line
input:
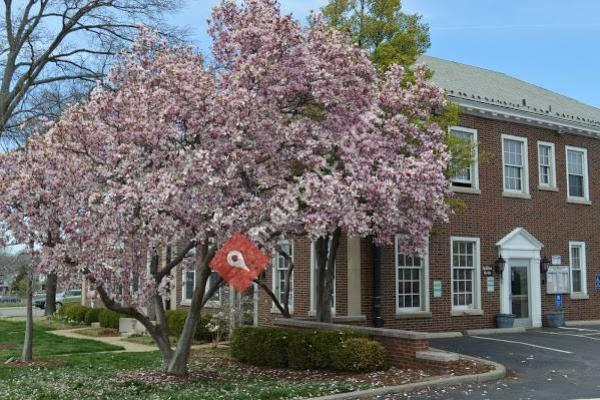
point(92, 315)
point(359, 355)
point(109, 319)
point(73, 312)
point(319, 349)
point(176, 321)
point(262, 346)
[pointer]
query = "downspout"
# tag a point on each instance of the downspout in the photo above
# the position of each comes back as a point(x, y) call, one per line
point(378, 321)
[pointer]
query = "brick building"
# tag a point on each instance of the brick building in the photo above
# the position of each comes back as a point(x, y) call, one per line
point(533, 200)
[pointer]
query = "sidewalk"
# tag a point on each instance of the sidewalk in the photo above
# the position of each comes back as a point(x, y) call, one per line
point(129, 347)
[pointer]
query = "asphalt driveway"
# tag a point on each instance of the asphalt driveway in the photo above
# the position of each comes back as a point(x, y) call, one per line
point(543, 364)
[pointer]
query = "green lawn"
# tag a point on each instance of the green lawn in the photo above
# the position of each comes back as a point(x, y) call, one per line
point(45, 344)
point(95, 376)
point(13, 305)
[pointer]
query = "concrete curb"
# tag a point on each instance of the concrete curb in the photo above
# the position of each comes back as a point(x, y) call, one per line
point(583, 323)
point(498, 372)
point(493, 331)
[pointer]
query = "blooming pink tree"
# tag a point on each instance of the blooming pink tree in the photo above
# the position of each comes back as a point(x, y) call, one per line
point(291, 132)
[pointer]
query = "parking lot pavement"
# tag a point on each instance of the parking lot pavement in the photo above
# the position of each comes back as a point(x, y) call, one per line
point(542, 364)
point(18, 312)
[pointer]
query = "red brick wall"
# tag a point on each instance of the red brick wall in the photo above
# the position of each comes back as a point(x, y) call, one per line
point(488, 216)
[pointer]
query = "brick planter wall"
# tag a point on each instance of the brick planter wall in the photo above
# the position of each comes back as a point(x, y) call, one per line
point(400, 346)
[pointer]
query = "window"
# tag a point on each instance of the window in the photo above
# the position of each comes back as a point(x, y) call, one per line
point(547, 169)
point(412, 276)
point(313, 281)
point(469, 176)
point(578, 267)
point(577, 174)
point(514, 159)
point(281, 266)
point(465, 273)
point(189, 284)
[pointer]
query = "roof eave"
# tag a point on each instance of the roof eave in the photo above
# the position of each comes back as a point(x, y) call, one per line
point(500, 113)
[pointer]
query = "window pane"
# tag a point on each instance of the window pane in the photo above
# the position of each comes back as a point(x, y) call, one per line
point(189, 284)
point(464, 176)
point(463, 284)
point(409, 281)
point(576, 186)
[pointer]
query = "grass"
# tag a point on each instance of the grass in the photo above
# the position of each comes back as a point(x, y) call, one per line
point(13, 305)
point(98, 332)
point(55, 323)
point(45, 344)
point(95, 375)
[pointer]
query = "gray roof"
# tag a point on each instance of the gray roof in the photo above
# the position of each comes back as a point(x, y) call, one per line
point(473, 84)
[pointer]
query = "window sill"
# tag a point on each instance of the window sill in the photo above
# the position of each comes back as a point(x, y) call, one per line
point(574, 200)
point(413, 314)
point(465, 190)
point(186, 303)
point(465, 313)
point(211, 304)
point(514, 195)
point(580, 296)
point(275, 310)
point(548, 188)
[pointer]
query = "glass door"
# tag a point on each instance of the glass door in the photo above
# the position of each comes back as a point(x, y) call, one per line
point(519, 293)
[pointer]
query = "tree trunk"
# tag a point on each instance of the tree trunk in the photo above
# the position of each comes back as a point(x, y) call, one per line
point(51, 285)
point(326, 253)
point(179, 361)
point(27, 354)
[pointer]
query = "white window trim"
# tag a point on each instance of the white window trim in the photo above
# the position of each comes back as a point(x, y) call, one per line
point(586, 177)
point(583, 261)
point(474, 165)
point(525, 178)
point(552, 185)
point(476, 276)
point(188, 302)
point(274, 278)
point(313, 308)
point(424, 282)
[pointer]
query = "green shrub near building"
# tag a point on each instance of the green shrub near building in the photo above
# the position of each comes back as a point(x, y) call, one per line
point(338, 350)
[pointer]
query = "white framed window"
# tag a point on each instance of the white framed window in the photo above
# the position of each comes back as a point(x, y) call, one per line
point(468, 178)
point(412, 281)
point(515, 167)
point(546, 165)
point(313, 281)
point(577, 174)
point(465, 274)
point(281, 266)
point(188, 285)
point(577, 268)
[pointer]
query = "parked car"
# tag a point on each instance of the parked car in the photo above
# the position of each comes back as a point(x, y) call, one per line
point(67, 296)
point(39, 301)
point(9, 298)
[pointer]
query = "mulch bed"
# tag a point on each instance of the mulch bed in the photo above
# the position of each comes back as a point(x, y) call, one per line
point(210, 364)
point(162, 378)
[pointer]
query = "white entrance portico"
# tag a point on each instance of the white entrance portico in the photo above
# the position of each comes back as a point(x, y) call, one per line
point(520, 283)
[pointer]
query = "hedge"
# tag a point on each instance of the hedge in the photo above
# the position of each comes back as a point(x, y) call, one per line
point(73, 312)
point(109, 319)
point(176, 320)
point(339, 350)
point(92, 315)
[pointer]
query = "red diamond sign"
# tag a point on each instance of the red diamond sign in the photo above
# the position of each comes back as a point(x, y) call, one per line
point(239, 262)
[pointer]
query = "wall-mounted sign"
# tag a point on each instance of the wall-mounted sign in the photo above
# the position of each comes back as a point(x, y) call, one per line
point(491, 284)
point(437, 288)
point(487, 270)
point(558, 302)
point(597, 281)
point(556, 260)
point(557, 279)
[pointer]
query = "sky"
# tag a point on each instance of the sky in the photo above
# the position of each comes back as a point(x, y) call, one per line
point(551, 43)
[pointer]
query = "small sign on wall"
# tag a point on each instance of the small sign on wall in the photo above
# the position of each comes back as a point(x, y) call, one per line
point(491, 284)
point(487, 270)
point(437, 289)
point(597, 281)
point(556, 260)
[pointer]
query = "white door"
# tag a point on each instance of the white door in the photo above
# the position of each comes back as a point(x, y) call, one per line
point(520, 292)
